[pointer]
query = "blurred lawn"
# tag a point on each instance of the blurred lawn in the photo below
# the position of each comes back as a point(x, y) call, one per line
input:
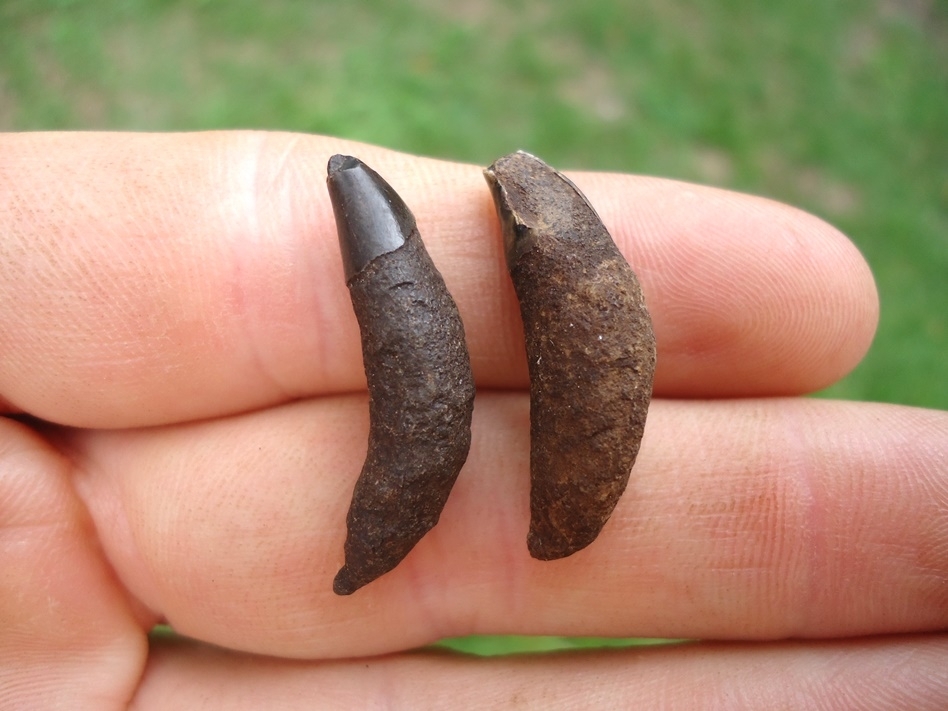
point(837, 106)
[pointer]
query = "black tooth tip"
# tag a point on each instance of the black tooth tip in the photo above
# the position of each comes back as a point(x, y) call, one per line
point(341, 162)
point(371, 218)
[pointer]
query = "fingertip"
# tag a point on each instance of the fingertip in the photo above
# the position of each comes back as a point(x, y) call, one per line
point(843, 304)
point(749, 296)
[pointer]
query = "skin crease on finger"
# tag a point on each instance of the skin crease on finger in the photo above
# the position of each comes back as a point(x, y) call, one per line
point(211, 260)
point(753, 519)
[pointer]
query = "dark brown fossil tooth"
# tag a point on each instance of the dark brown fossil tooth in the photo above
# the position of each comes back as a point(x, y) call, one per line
point(421, 389)
point(590, 347)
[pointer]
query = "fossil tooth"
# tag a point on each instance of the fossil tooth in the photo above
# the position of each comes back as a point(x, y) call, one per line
point(590, 350)
point(421, 389)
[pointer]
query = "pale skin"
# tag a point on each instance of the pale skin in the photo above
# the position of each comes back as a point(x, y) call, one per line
point(175, 305)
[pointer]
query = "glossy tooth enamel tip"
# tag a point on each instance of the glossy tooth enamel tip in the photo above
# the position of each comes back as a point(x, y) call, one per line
point(371, 218)
point(340, 162)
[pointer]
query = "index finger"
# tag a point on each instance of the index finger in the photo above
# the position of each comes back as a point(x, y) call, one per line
point(158, 278)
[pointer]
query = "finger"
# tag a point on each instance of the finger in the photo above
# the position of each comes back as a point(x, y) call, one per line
point(70, 639)
point(156, 278)
point(872, 674)
point(756, 519)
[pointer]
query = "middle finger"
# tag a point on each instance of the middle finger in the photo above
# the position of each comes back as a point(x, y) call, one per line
point(748, 519)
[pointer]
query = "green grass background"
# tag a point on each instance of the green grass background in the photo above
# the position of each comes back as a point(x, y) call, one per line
point(837, 106)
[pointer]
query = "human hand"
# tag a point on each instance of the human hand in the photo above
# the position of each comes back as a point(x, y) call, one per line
point(175, 305)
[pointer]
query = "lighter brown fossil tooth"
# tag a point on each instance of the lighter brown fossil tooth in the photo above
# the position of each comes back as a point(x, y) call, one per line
point(590, 349)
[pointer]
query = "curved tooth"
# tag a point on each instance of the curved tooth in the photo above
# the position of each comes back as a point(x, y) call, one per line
point(421, 389)
point(590, 349)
